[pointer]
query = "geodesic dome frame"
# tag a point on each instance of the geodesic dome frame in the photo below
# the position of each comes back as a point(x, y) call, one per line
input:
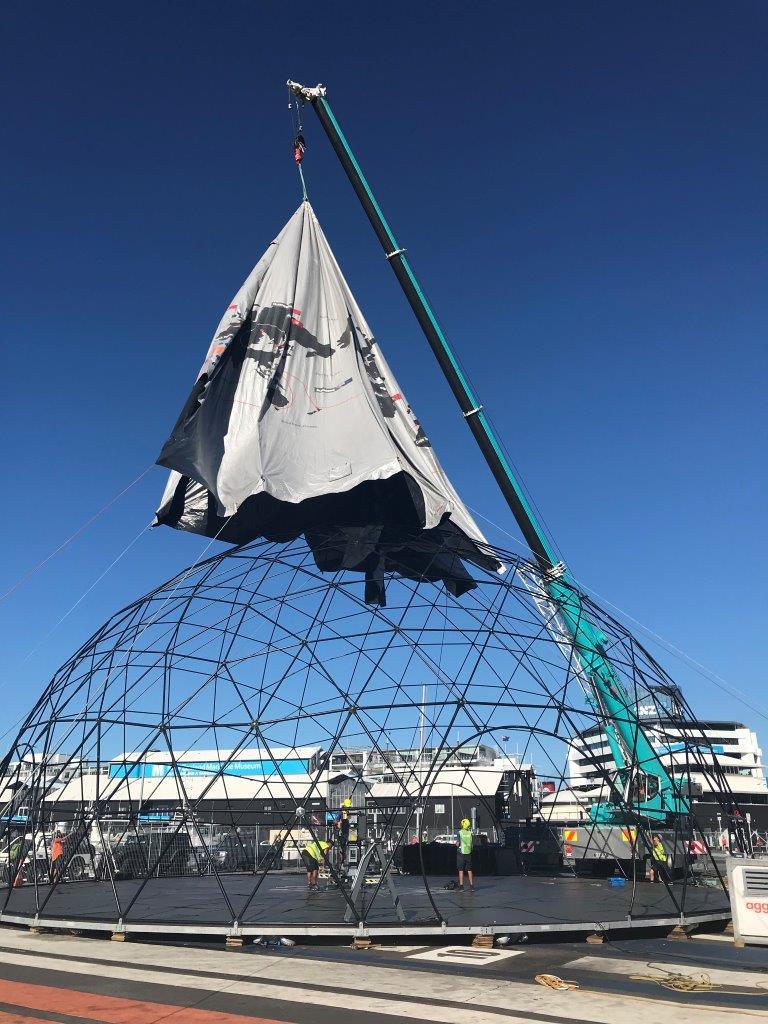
point(257, 654)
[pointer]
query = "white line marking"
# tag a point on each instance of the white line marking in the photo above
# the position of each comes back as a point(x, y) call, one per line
point(466, 955)
point(370, 1002)
point(472, 1000)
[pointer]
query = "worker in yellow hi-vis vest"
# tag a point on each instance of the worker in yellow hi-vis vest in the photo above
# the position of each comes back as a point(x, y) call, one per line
point(657, 868)
point(313, 854)
point(464, 843)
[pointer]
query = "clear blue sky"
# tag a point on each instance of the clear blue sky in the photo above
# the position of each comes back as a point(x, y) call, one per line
point(581, 187)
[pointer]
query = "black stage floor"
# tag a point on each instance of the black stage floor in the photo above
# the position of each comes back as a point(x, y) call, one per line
point(282, 904)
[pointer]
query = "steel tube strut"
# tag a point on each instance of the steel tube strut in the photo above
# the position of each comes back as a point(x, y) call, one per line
point(616, 703)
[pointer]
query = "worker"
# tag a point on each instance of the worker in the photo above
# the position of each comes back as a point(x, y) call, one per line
point(343, 824)
point(464, 842)
point(17, 856)
point(658, 864)
point(57, 857)
point(312, 855)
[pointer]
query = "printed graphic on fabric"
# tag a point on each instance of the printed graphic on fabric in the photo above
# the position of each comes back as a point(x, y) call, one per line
point(274, 333)
point(386, 401)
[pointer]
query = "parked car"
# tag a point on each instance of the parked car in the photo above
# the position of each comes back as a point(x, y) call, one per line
point(270, 857)
point(18, 857)
point(230, 853)
point(81, 857)
point(135, 855)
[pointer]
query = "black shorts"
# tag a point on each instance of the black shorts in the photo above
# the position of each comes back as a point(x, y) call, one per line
point(309, 861)
point(463, 861)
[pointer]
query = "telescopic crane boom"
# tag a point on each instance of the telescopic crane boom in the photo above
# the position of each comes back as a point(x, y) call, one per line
point(643, 787)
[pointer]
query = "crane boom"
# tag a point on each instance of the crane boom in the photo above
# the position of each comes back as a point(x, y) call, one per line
point(644, 783)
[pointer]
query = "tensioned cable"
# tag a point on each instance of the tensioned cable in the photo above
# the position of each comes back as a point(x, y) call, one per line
point(298, 128)
point(34, 650)
point(710, 675)
point(183, 576)
point(86, 592)
point(65, 544)
point(178, 582)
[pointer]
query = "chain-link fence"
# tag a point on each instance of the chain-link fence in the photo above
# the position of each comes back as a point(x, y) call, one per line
point(123, 849)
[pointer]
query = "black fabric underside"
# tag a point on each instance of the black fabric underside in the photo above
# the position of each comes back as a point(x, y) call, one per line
point(375, 528)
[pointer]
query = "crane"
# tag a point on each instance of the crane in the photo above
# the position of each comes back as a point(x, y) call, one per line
point(643, 790)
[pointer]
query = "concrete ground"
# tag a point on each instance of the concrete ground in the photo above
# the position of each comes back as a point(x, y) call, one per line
point(77, 980)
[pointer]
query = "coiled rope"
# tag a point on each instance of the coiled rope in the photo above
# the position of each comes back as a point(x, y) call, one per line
point(698, 981)
point(552, 981)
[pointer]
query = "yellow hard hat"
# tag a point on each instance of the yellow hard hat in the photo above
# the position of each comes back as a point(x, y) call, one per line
point(465, 822)
point(347, 802)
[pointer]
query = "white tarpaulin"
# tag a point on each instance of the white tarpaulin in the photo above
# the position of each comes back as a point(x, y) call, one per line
point(296, 425)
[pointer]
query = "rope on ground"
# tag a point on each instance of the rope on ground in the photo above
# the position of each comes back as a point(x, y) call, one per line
point(552, 981)
point(699, 981)
point(674, 982)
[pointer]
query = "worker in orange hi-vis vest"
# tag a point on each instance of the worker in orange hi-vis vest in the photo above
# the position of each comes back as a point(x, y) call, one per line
point(57, 857)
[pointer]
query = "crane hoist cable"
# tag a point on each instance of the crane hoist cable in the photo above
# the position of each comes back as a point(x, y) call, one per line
point(299, 144)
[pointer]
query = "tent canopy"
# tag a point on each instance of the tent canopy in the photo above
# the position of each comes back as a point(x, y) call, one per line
point(296, 425)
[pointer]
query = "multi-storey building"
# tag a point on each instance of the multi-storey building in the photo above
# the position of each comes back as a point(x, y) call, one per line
point(702, 751)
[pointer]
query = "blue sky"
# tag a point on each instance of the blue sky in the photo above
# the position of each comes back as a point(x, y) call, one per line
point(581, 188)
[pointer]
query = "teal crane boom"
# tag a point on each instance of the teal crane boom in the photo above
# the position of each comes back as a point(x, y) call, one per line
point(643, 788)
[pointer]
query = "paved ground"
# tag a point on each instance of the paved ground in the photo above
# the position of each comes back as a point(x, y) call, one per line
point(73, 980)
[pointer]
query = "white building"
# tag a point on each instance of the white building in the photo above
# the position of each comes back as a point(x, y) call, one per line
point(33, 774)
point(685, 748)
point(401, 762)
point(164, 782)
point(430, 789)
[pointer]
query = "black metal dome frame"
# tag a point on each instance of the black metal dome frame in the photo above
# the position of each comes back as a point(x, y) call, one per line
point(256, 647)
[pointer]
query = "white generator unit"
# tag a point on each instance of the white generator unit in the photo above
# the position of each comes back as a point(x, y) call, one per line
point(748, 888)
